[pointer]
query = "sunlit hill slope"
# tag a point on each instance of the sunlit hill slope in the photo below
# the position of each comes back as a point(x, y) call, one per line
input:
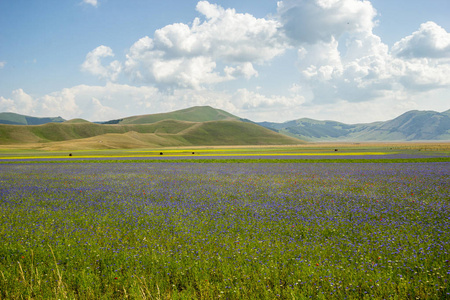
point(144, 131)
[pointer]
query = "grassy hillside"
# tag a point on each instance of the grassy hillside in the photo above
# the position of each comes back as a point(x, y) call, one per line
point(72, 121)
point(417, 125)
point(234, 133)
point(85, 135)
point(51, 132)
point(193, 114)
point(411, 126)
point(18, 119)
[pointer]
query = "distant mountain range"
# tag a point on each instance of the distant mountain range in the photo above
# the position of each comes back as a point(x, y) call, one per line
point(410, 126)
point(204, 125)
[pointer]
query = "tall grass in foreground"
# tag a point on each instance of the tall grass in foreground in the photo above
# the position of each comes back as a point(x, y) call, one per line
point(231, 231)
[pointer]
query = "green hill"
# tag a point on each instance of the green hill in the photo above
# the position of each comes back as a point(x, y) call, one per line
point(234, 133)
point(87, 135)
point(193, 114)
point(73, 121)
point(18, 119)
point(204, 125)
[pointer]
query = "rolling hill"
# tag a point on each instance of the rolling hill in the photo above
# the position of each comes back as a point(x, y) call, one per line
point(206, 126)
point(193, 114)
point(410, 126)
point(86, 135)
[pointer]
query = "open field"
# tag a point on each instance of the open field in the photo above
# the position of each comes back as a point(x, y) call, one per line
point(302, 151)
point(174, 230)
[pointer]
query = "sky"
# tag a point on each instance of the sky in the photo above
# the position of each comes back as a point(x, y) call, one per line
point(353, 61)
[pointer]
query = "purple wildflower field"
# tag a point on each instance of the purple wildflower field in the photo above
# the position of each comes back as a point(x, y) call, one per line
point(232, 231)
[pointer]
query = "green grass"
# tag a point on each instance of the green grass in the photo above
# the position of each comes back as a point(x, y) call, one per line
point(224, 231)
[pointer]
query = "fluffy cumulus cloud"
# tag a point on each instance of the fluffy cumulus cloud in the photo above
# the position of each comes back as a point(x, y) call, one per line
point(243, 70)
point(20, 102)
point(93, 64)
point(430, 41)
point(346, 72)
point(91, 2)
point(339, 56)
point(98, 103)
point(341, 59)
point(63, 103)
point(189, 56)
point(101, 103)
point(54, 104)
point(312, 21)
point(424, 75)
point(365, 71)
point(321, 30)
point(252, 101)
point(94, 103)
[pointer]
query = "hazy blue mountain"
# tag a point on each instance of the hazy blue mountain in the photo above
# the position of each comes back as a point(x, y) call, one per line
point(410, 126)
point(18, 119)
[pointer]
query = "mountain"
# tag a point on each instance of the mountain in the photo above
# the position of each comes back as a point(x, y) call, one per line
point(310, 129)
point(193, 114)
point(18, 119)
point(166, 133)
point(204, 125)
point(410, 126)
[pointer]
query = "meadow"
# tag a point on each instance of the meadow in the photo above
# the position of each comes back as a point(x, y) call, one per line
point(184, 230)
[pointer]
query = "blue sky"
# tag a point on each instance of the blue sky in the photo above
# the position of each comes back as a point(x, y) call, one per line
point(346, 60)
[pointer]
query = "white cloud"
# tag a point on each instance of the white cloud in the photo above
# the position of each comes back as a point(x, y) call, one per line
point(339, 57)
point(430, 41)
point(7, 105)
point(246, 99)
point(210, 11)
point(188, 56)
point(320, 59)
point(94, 103)
point(61, 103)
point(91, 2)
point(424, 74)
point(20, 102)
point(93, 64)
point(113, 101)
point(362, 73)
point(322, 29)
point(101, 111)
point(246, 70)
point(2, 64)
point(367, 69)
point(346, 71)
point(98, 103)
point(312, 21)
